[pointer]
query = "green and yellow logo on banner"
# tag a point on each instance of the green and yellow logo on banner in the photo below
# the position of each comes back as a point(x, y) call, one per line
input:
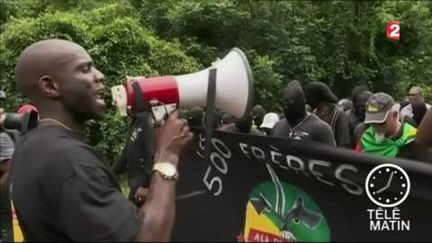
point(280, 212)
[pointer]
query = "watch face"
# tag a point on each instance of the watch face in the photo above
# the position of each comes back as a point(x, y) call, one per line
point(387, 185)
point(168, 169)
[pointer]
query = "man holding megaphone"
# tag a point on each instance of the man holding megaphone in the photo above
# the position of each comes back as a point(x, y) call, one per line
point(60, 187)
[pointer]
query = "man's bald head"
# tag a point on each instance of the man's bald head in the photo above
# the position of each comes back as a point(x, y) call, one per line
point(415, 94)
point(60, 79)
point(43, 58)
point(416, 90)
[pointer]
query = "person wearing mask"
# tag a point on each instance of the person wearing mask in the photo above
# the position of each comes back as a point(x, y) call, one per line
point(299, 124)
point(60, 186)
point(357, 116)
point(414, 96)
point(357, 90)
point(323, 101)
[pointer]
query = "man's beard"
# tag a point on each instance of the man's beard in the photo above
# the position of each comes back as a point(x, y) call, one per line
point(379, 137)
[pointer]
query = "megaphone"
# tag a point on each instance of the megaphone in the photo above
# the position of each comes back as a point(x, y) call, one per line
point(234, 89)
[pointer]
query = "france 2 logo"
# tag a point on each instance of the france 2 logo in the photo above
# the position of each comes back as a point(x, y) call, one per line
point(393, 30)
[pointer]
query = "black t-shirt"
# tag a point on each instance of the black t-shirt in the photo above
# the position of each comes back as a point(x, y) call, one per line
point(338, 121)
point(62, 191)
point(311, 129)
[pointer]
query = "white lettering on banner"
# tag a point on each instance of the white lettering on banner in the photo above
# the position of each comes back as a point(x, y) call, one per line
point(319, 169)
point(218, 165)
point(217, 144)
point(222, 166)
point(273, 155)
point(318, 175)
point(315, 167)
point(201, 146)
point(338, 173)
point(212, 182)
point(243, 148)
point(301, 168)
point(258, 153)
point(201, 142)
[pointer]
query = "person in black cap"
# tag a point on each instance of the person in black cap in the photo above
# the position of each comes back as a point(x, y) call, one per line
point(299, 124)
point(322, 100)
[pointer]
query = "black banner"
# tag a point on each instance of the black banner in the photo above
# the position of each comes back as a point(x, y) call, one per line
point(268, 189)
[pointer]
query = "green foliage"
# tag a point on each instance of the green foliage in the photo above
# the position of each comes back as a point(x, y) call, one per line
point(268, 83)
point(342, 43)
point(118, 43)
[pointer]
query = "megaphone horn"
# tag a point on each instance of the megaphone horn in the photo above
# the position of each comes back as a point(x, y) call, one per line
point(234, 88)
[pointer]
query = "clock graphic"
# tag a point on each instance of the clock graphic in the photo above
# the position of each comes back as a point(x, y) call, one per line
point(387, 185)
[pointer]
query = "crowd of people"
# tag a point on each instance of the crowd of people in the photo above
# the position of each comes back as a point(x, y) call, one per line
point(365, 122)
point(75, 196)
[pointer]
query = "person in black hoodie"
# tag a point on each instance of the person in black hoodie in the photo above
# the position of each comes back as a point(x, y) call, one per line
point(299, 124)
point(323, 101)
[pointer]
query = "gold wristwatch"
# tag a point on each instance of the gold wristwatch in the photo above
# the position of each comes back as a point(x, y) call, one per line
point(166, 169)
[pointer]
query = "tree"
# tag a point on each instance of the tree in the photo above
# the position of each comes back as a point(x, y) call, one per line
point(119, 45)
point(342, 43)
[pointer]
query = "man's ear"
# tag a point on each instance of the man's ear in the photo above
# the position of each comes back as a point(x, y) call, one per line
point(49, 87)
